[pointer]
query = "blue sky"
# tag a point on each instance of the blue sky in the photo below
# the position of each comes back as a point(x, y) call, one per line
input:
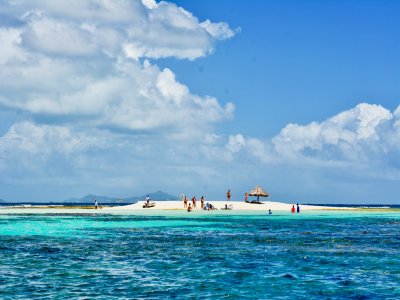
point(128, 97)
point(315, 57)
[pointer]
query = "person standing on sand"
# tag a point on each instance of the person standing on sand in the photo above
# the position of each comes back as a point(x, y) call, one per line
point(298, 208)
point(194, 200)
point(96, 205)
point(228, 195)
point(202, 202)
point(246, 197)
point(185, 202)
point(293, 209)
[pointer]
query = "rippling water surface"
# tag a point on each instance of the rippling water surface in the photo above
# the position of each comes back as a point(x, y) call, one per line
point(309, 256)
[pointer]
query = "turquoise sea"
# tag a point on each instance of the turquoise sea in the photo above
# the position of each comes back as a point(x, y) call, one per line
point(205, 255)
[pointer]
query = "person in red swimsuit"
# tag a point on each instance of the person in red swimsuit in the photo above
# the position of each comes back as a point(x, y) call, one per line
point(293, 209)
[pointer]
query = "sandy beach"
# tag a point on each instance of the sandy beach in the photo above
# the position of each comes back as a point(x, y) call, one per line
point(166, 208)
point(236, 205)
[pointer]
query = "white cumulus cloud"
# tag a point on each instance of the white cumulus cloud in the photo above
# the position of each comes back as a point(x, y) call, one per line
point(367, 134)
point(84, 62)
point(355, 134)
point(91, 101)
point(30, 138)
point(220, 31)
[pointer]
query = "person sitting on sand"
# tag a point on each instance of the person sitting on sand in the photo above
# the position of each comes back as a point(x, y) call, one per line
point(293, 209)
point(298, 208)
point(228, 195)
point(228, 207)
point(189, 207)
point(202, 202)
point(194, 200)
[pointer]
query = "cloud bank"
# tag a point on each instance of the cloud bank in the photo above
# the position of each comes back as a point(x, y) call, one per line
point(87, 61)
point(366, 134)
point(97, 114)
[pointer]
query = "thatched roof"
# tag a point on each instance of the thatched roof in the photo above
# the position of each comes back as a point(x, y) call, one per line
point(258, 191)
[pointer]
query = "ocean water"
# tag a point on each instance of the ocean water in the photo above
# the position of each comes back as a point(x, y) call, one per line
point(312, 255)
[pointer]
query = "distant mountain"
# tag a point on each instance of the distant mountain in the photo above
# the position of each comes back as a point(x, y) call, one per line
point(90, 198)
point(158, 196)
point(2, 201)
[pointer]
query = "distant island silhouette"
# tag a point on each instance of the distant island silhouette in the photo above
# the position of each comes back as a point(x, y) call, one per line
point(159, 196)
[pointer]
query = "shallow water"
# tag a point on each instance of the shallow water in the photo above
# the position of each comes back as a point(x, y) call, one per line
point(312, 255)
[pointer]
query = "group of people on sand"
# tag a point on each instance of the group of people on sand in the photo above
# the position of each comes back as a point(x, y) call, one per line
point(192, 204)
point(297, 209)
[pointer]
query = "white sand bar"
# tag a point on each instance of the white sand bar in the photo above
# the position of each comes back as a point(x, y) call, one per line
point(266, 205)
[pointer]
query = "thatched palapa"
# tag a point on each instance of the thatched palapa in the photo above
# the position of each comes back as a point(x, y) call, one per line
point(259, 192)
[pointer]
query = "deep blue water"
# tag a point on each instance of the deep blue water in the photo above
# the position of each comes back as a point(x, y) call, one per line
point(305, 256)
